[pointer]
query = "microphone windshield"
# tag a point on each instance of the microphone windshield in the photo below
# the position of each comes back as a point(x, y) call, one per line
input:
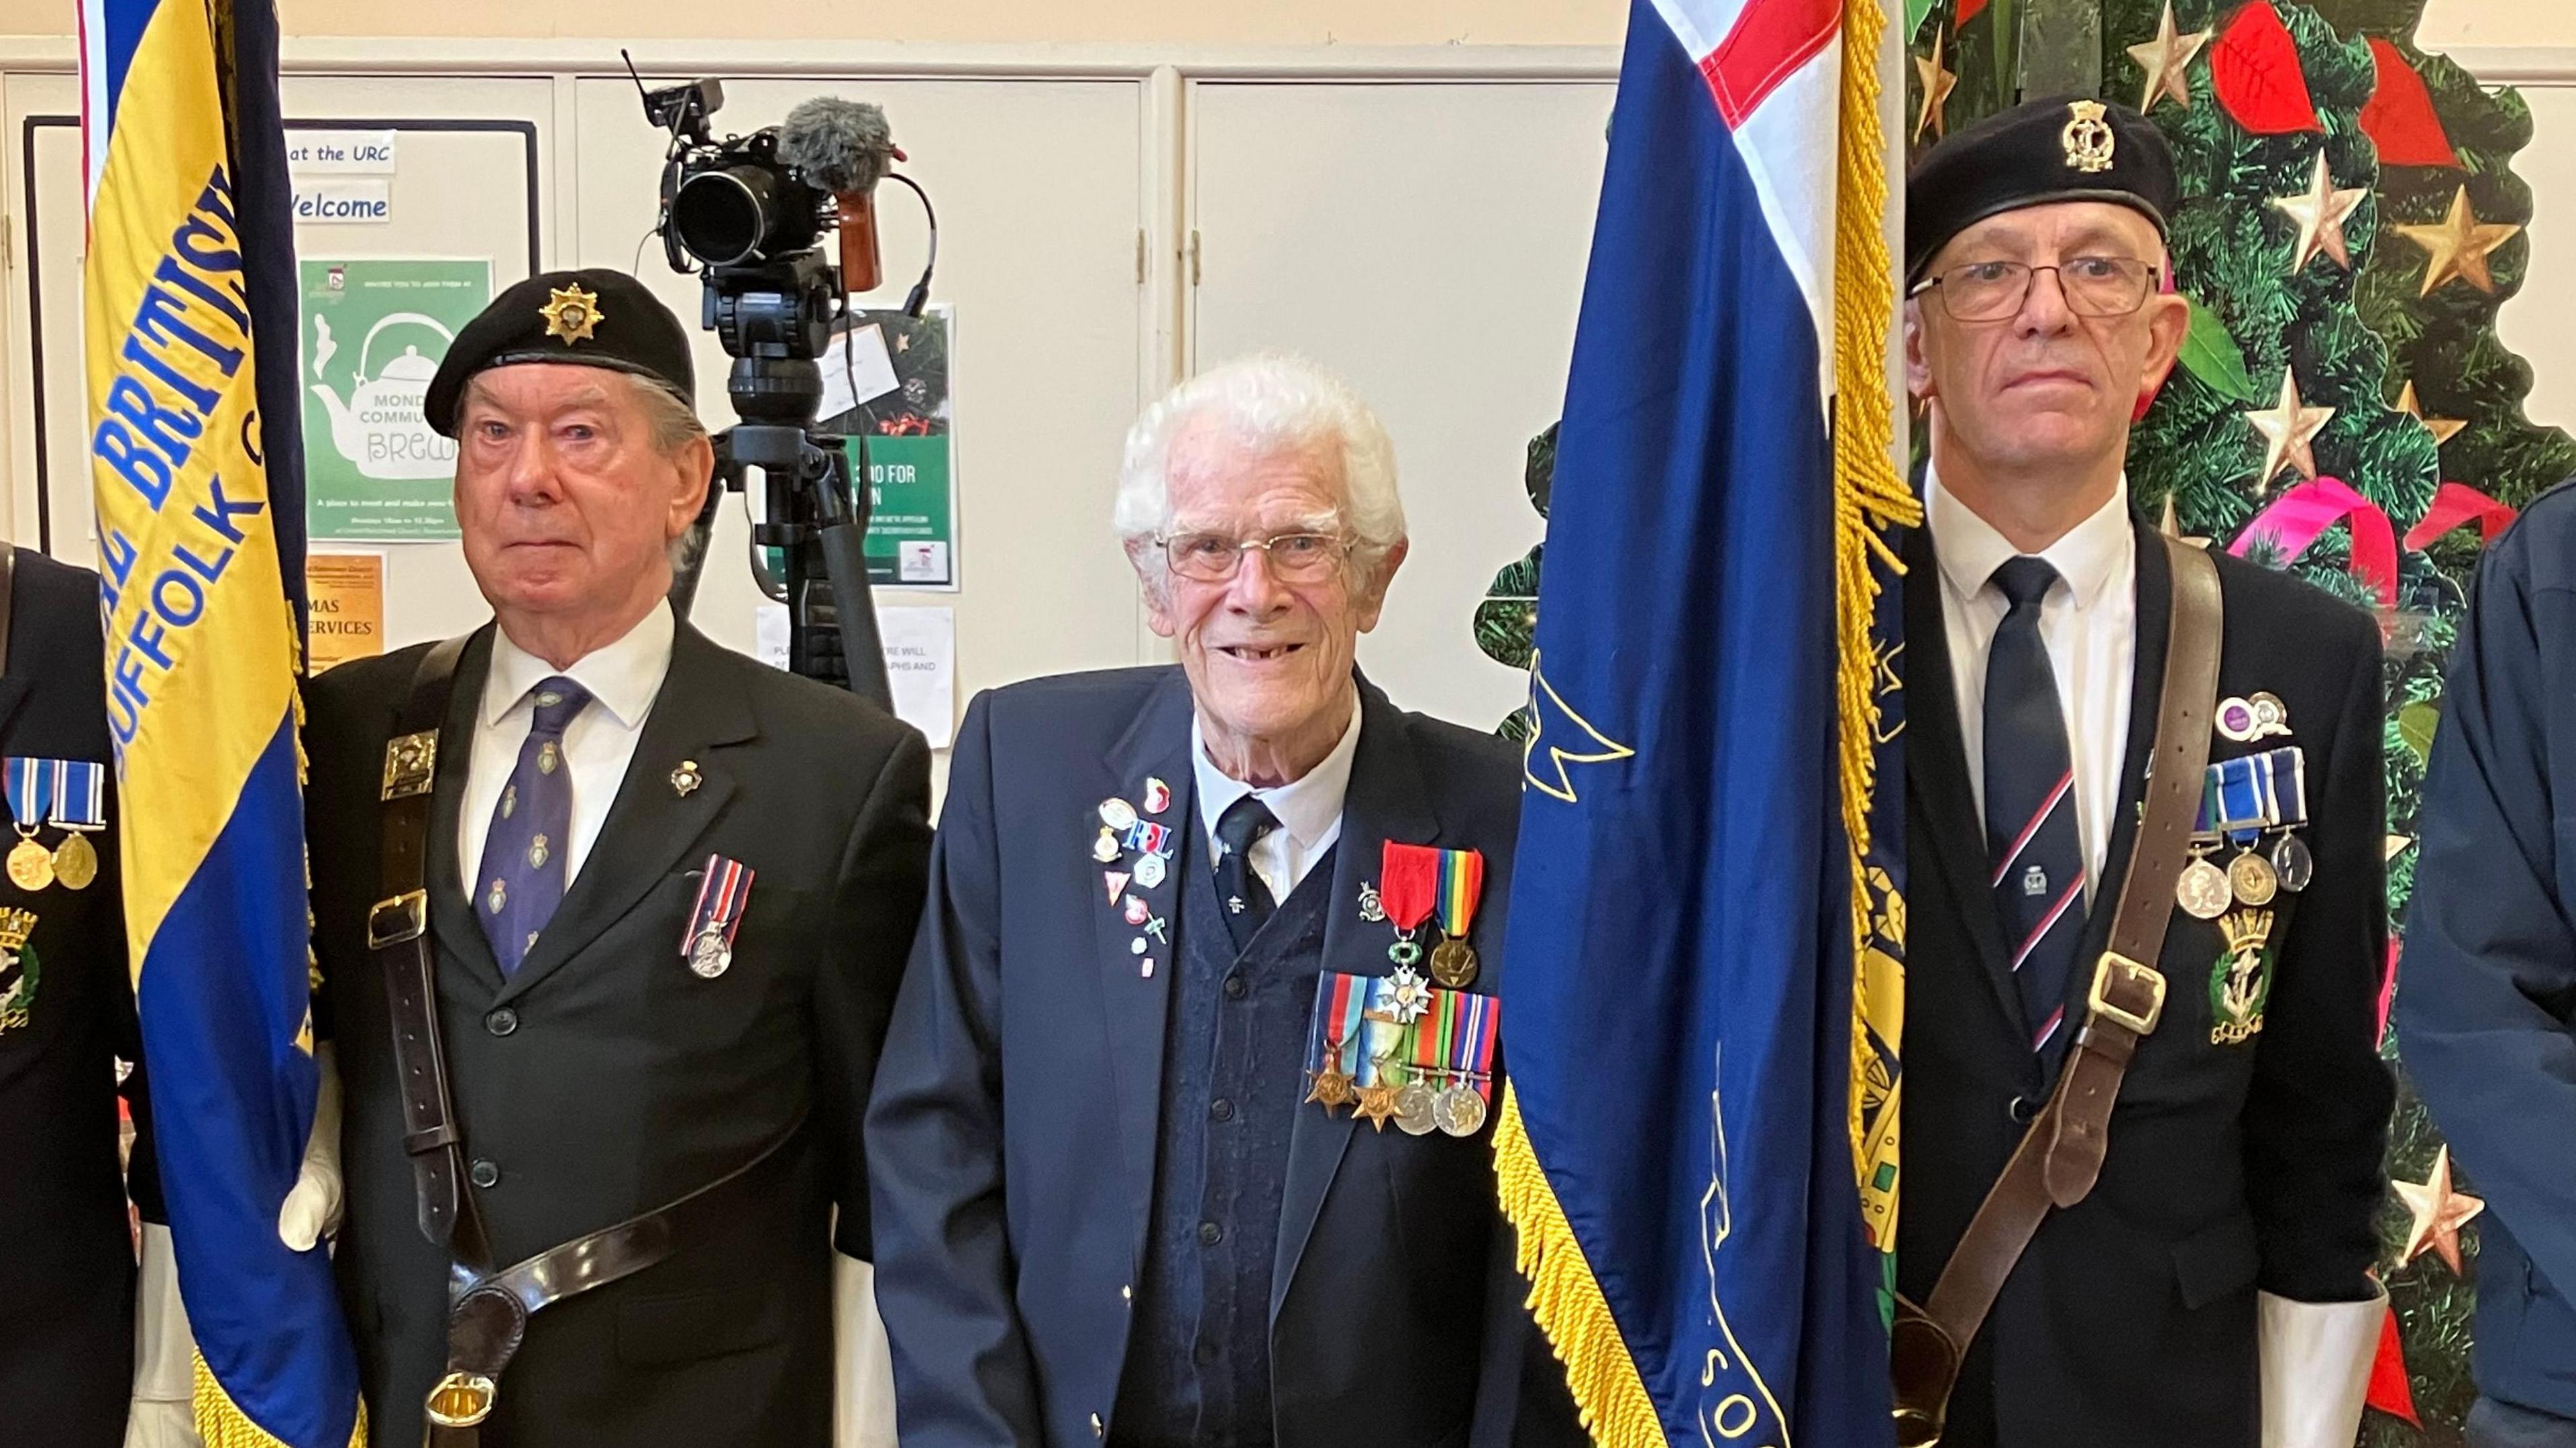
point(841, 146)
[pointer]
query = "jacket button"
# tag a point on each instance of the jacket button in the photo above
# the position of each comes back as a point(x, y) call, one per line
point(2021, 1110)
point(1210, 1234)
point(1234, 987)
point(1127, 1293)
point(1221, 1109)
point(501, 1022)
point(484, 1173)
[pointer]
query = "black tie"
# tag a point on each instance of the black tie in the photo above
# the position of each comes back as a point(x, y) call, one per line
point(2032, 843)
point(1239, 890)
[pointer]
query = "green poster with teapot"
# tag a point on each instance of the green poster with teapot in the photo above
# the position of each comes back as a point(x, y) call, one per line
point(374, 331)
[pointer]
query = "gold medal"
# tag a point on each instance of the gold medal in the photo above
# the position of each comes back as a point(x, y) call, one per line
point(1453, 963)
point(1377, 1105)
point(1330, 1087)
point(31, 865)
point(76, 862)
point(2203, 890)
point(2252, 879)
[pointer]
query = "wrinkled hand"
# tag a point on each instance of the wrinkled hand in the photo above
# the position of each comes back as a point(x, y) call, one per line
point(312, 1207)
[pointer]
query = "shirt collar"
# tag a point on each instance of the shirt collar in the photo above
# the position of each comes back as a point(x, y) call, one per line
point(622, 677)
point(1970, 550)
point(1306, 807)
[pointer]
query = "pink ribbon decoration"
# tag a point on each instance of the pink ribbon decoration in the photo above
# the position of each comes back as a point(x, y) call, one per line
point(2455, 504)
point(2298, 516)
point(2387, 988)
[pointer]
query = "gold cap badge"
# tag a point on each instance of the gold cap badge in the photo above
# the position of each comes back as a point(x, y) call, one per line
point(2087, 138)
point(573, 314)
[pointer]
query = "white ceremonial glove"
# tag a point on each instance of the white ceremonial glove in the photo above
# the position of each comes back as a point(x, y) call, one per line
point(162, 1415)
point(862, 1365)
point(2316, 1360)
point(312, 1207)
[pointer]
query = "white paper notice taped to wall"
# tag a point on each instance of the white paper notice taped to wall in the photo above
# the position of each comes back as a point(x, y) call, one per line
point(343, 153)
point(921, 662)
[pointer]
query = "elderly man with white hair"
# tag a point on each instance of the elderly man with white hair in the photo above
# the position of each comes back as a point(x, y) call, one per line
point(1196, 936)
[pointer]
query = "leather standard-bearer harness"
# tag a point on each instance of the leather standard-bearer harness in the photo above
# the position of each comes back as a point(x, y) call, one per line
point(488, 1308)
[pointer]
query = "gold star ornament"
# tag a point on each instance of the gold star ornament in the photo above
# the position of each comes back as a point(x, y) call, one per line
point(2443, 428)
point(1937, 85)
point(2320, 211)
point(2438, 1214)
point(2289, 433)
point(571, 313)
point(2166, 59)
point(2458, 245)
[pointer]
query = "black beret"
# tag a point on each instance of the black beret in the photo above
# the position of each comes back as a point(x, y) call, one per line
point(2067, 148)
point(591, 318)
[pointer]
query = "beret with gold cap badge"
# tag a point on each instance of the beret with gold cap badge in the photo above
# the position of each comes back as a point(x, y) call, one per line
point(595, 317)
point(2066, 148)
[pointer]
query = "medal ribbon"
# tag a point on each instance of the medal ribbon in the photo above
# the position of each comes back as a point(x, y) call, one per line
point(1337, 1018)
point(31, 791)
point(1431, 1038)
point(2289, 785)
point(1462, 879)
point(723, 889)
point(1409, 875)
point(1472, 1053)
point(80, 794)
point(2238, 799)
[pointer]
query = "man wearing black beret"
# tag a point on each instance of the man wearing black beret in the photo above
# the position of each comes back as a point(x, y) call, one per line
point(2140, 1028)
point(610, 920)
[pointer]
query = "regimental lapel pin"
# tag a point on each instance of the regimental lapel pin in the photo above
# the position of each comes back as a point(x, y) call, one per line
point(1116, 880)
point(1158, 796)
point(686, 779)
point(1372, 909)
point(1149, 872)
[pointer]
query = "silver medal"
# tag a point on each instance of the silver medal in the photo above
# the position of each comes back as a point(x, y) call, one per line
point(2292, 862)
point(2203, 890)
point(1459, 1111)
point(709, 955)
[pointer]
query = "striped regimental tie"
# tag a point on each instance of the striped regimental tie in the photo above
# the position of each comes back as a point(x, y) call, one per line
point(2031, 838)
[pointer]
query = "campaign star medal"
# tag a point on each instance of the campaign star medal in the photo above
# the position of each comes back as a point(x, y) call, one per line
point(724, 889)
point(31, 794)
point(1460, 882)
point(1339, 1001)
point(2087, 139)
point(80, 807)
point(1377, 1102)
point(571, 313)
point(2438, 1212)
point(19, 971)
point(1408, 879)
point(2241, 980)
point(686, 779)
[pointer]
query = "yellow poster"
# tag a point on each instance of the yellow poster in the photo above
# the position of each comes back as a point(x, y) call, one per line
point(348, 594)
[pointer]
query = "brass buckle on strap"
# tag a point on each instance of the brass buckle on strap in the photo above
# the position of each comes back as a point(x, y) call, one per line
point(404, 917)
point(462, 1400)
point(2118, 975)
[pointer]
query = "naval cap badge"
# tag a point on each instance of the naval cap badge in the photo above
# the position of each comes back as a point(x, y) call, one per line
point(571, 313)
point(2087, 139)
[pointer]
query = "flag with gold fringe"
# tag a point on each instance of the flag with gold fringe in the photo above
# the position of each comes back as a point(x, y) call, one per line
point(1698, 1145)
point(189, 341)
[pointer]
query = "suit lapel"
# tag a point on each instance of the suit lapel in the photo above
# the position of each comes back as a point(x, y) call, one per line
point(1134, 1005)
point(1387, 800)
point(652, 826)
point(454, 924)
point(2146, 699)
point(1936, 773)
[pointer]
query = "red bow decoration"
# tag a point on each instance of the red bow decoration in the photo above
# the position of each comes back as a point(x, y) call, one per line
point(2389, 1391)
point(2254, 67)
point(2455, 504)
point(2399, 117)
point(2298, 516)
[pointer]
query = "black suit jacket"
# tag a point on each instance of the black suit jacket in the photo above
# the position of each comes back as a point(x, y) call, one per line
point(67, 1273)
point(1016, 1115)
point(2130, 1321)
point(605, 1079)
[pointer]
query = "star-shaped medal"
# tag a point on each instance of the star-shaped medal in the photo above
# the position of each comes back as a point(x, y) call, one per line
point(2166, 59)
point(1377, 1105)
point(1329, 1088)
point(2457, 245)
point(571, 313)
point(2289, 431)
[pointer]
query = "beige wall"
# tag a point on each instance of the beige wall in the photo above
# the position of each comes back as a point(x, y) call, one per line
point(1192, 22)
point(2449, 23)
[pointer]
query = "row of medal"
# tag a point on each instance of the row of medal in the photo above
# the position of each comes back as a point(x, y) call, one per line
point(2242, 801)
point(1122, 829)
point(1395, 1049)
point(68, 794)
point(1414, 882)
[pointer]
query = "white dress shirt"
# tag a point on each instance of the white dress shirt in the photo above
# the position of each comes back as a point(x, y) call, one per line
point(2088, 620)
point(1309, 807)
point(623, 679)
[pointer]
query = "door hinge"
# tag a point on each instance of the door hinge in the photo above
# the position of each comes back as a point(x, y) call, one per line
point(1140, 256)
point(1194, 256)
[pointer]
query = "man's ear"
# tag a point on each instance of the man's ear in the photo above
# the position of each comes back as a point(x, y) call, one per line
point(1918, 365)
point(1372, 598)
point(1154, 585)
point(2168, 322)
point(696, 460)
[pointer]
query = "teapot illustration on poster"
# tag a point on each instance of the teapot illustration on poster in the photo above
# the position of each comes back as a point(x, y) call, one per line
point(373, 333)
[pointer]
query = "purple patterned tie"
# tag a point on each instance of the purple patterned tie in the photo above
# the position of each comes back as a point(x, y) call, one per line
point(522, 880)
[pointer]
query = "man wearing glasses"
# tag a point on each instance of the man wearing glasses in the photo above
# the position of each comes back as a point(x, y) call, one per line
point(1124, 1190)
point(2212, 1284)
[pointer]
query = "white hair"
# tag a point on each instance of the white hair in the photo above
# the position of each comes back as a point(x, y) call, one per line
point(1266, 402)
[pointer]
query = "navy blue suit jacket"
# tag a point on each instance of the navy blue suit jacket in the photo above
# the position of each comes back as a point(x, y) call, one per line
point(1012, 1129)
point(2486, 1000)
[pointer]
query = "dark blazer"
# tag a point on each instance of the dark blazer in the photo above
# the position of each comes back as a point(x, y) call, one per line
point(1016, 1114)
point(2486, 1004)
point(605, 1079)
point(67, 1274)
point(2130, 1321)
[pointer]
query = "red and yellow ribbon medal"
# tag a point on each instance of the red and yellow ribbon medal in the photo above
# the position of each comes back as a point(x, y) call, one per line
point(1410, 876)
point(1462, 879)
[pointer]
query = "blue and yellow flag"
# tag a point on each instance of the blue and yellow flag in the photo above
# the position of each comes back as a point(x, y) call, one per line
point(190, 329)
point(1705, 982)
